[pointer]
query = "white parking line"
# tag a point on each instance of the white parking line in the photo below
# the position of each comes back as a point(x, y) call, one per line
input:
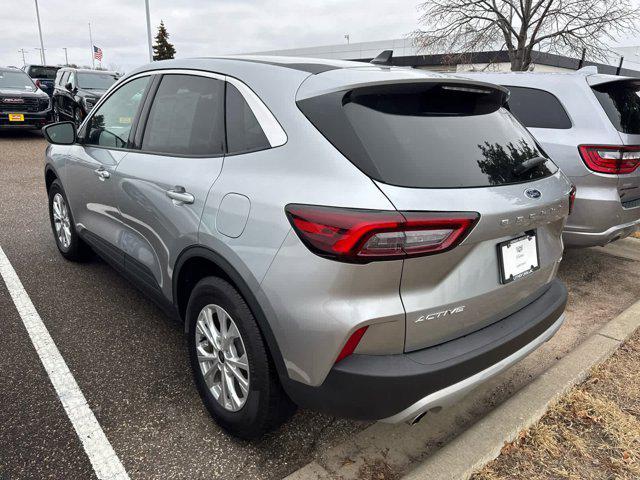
point(104, 460)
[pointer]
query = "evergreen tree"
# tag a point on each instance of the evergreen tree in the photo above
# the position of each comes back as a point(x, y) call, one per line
point(162, 49)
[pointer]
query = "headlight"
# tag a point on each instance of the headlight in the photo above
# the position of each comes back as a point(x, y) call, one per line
point(89, 103)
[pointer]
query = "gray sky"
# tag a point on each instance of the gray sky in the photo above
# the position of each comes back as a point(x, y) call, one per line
point(199, 27)
point(196, 27)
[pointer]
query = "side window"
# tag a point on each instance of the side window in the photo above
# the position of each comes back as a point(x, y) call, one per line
point(186, 117)
point(244, 133)
point(537, 108)
point(111, 123)
point(63, 79)
point(72, 79)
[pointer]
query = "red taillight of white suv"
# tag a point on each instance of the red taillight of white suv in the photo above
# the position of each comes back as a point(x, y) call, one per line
point(363, 236)
point(611, 158)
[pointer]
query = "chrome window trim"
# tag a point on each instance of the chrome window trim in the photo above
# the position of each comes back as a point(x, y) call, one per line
point(270, 126)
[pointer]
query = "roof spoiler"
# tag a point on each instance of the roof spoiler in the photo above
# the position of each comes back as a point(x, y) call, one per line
point(383, 58)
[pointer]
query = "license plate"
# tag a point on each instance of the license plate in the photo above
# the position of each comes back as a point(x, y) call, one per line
point(16, 117)
point(518, 257)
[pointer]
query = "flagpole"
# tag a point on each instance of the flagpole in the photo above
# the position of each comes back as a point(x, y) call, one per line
point(93, 63)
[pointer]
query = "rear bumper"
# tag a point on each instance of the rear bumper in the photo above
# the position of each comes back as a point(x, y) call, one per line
point(31, 120)
point(396, 388)
point(593, 239)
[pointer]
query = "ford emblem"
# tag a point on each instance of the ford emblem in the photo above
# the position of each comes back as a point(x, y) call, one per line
point(532, 193)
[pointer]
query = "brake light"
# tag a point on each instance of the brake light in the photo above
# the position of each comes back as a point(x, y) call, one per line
point(38, 84)
point(352, 343)
point(611, 158)
point(361, 236)
point(572, 198)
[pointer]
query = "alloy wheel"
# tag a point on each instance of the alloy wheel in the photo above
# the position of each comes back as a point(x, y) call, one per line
point(222, 357)
point(61, 220)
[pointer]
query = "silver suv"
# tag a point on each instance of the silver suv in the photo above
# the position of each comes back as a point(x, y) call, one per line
point(589, 124)
point(367, 241)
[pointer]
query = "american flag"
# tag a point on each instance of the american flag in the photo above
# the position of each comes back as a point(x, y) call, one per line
point(97, 53)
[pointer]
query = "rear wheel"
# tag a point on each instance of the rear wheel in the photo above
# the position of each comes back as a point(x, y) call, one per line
point(232, 369)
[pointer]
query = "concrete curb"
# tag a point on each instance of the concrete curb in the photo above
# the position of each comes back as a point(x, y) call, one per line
point(482, 443)
point(401, 445)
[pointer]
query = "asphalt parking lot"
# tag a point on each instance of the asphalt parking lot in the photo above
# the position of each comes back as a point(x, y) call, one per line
point(130, 361)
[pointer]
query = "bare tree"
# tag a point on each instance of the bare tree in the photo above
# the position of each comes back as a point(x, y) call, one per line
point(519, 26)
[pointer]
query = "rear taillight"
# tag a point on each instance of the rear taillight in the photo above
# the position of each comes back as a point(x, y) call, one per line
point(611, 158)
point(38, 84)
point(362, 236)
point(572, 198)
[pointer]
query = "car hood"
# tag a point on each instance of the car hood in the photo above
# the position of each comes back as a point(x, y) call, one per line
point(92, 93)
point(19, 92)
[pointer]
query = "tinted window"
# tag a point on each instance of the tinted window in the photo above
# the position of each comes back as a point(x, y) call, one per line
point(186, 117)
point(537, 108)
point(95, 81)
point(16, 79)
point(244, 133)
point(48, 73)
point(111, 124)
point(621, 102)
point(429, 135)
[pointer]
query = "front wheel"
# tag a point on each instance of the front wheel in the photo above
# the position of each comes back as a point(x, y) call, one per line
point(234, 374)
point(69, 244)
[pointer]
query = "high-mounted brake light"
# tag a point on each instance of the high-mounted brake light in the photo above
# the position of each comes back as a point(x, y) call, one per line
point(611, 158)
point(362, 236)
point(572, 198)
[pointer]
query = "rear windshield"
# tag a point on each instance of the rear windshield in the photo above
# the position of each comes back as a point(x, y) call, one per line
point(47, 73)
point(96, 81)
point(621, 102)
point(429, 135)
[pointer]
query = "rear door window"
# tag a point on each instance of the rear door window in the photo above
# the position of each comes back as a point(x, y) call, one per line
point(538, 108)
point(48, 73)
point(621, 102)
point(244, 133)
point(429, 135)
point(186, 117)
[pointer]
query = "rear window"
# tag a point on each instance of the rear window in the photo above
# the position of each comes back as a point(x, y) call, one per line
point(621, 103)
point(47, 73)
point(537, 108)
point(429, 135)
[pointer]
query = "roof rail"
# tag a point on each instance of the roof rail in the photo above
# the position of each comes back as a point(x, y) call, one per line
point(590, 70)
point(383, 58)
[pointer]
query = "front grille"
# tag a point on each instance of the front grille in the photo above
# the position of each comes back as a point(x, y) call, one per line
point(29, 105)
point(631, 204)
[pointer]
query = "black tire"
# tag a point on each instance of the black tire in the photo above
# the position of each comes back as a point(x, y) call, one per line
point(267, 406)
point(77, 250)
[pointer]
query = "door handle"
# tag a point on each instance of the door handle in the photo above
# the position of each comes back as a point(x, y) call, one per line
point(102, 174)
point(180, 196)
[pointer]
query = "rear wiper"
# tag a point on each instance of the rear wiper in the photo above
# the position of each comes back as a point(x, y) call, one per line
point(529, 164)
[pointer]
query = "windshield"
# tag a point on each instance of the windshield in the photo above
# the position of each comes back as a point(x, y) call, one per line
point(621, 103)
point(96, 81)
point(16, 79)
point(429, 136)
point(46, 73)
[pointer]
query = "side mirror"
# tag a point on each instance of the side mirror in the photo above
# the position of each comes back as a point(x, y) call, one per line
point(68, 86)
point(62, 133)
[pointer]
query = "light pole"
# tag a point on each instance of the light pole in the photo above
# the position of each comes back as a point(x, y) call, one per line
point(146, 4)
point(66, 58)
point(22, 51)
point(44, 62)
point(347, 38)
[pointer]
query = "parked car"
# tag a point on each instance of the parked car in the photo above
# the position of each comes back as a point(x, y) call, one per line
point(77, 90)
point(43, 76)
point(367, 241)
point(22, 103)
point(589, 124)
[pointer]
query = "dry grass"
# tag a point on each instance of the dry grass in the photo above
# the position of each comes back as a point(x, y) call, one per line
point(592, 433)
point(637, 234)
